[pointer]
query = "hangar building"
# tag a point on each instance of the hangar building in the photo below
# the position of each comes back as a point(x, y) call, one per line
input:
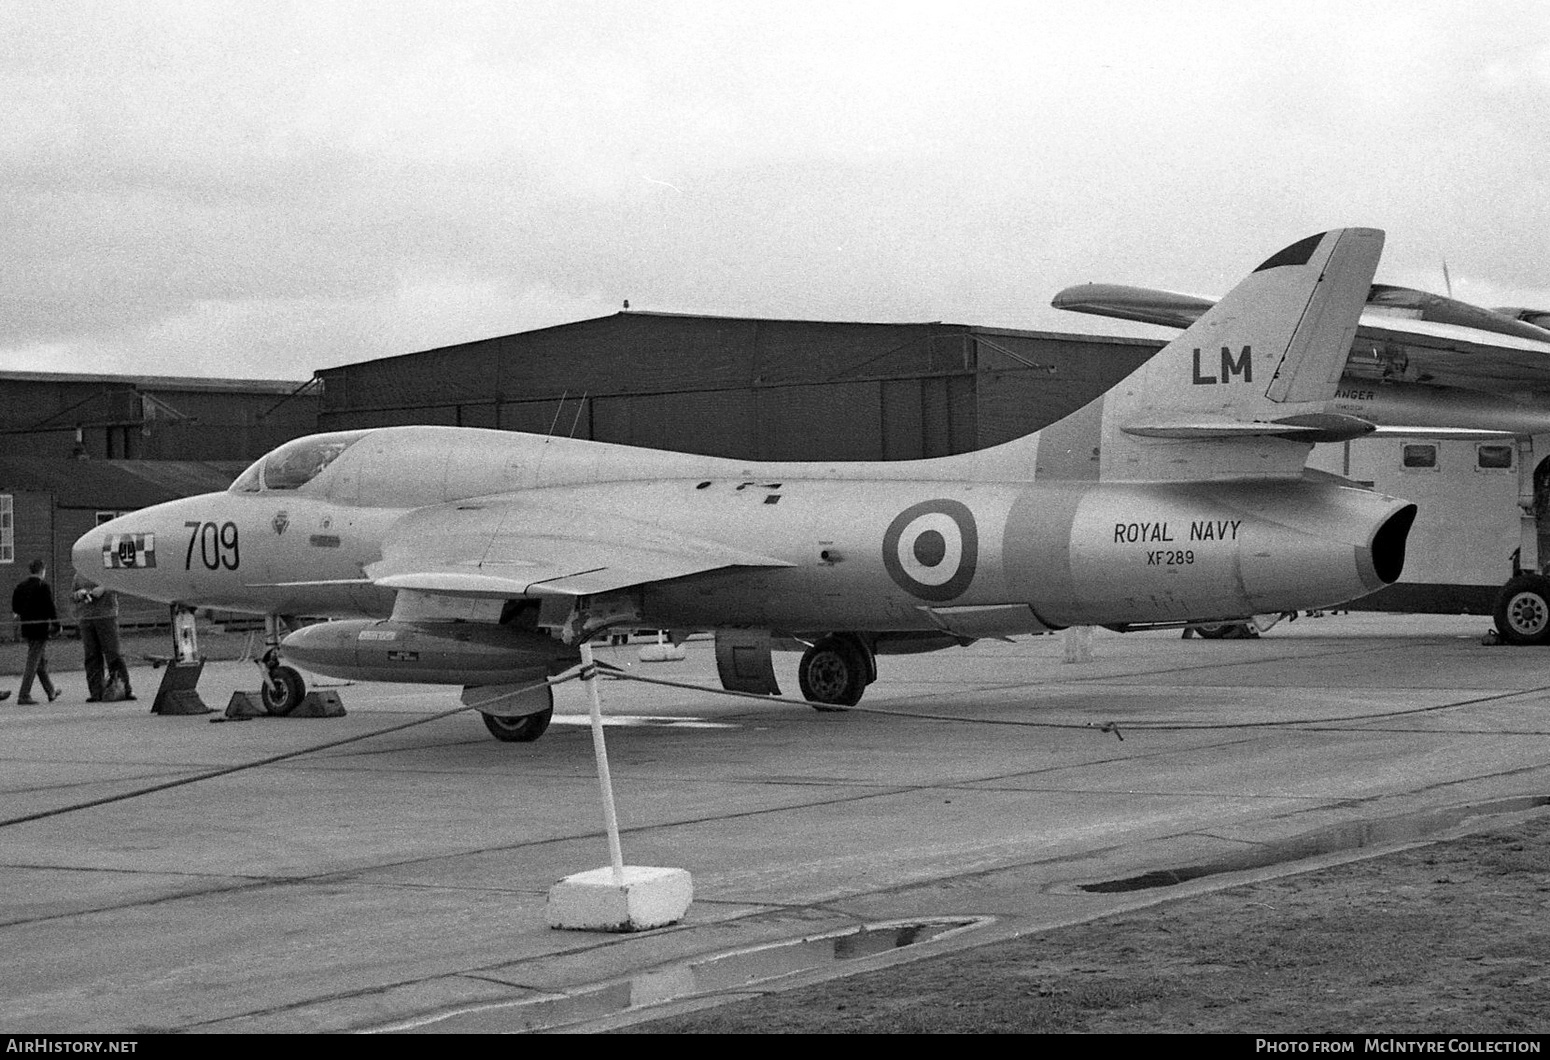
point(748, 388)
point(45, 505)
point(76, 450)
point(130, 417)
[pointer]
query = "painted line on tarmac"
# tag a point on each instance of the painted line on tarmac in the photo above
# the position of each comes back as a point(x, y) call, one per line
point(643, 721)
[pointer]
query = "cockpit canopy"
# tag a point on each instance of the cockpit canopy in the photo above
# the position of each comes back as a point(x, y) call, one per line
point(295, 464)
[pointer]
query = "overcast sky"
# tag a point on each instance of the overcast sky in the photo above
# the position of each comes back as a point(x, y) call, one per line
point(263, 189)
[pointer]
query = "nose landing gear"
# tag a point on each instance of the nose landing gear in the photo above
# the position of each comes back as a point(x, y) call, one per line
point(179, 691)
point(283, 688)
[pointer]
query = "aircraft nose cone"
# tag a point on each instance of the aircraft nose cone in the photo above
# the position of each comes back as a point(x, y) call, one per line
point(86, 553)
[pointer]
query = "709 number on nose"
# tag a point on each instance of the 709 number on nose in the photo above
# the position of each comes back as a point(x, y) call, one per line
point(217, 545)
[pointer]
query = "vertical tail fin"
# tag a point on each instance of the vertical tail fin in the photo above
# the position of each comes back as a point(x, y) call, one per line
point(1243, 391)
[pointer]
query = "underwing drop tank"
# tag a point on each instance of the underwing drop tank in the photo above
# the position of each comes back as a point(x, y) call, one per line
point(454, 653)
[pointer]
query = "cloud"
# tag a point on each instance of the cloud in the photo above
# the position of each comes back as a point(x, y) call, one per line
point(227, 188)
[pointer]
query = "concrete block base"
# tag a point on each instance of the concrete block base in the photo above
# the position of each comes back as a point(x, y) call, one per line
point(648, 898)
point(662, 653)
point(1079, 644)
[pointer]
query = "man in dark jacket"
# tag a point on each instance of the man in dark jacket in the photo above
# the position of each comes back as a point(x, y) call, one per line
point(33, 605)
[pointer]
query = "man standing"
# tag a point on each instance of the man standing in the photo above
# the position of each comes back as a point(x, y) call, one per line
point(96, 614)
point(33, 605)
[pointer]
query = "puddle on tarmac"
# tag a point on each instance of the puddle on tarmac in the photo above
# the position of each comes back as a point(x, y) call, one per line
point(719, 973)
point(1353, 836)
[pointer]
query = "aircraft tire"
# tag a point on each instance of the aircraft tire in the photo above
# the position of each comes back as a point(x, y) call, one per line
point(1223, 631)
point(1523, 610)
point(833, 674)
point(524, 729)
point(282, 691)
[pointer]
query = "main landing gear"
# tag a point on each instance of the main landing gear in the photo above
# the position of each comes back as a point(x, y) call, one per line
point(283, 688)
point(1225, 631)
point(835, 671)
point(525, 729)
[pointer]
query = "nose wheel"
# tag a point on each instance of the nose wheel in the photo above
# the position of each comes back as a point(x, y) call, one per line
point(282, 690)
point(283, 687)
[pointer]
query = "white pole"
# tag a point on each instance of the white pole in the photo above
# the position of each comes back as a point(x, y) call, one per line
point(600, 752)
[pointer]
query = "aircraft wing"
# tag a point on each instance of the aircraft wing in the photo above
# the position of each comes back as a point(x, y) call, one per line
point(1426, 351)
point(510, 546)
point(1404, 335)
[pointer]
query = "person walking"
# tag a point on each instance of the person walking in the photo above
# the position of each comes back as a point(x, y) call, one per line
point(96, 615)
point(32, 603)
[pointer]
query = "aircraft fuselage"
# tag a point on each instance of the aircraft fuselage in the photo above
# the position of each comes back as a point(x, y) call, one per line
point(867, 548)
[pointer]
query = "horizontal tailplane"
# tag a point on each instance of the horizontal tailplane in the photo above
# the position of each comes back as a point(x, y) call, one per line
point(1243, 391)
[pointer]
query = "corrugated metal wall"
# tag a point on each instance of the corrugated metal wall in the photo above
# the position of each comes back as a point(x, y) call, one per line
point(1026, 382)
point(754, 389)
point(149, 420)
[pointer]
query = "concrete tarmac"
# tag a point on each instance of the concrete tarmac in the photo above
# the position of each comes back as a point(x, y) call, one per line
point(399, 882)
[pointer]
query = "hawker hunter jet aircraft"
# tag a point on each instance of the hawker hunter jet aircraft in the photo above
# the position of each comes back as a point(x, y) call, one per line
point(483, 558)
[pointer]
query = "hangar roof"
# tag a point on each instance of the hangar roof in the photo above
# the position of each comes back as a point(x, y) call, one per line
point(640, 352)
point(116, 484)
point(160, 382)
point(629, 314)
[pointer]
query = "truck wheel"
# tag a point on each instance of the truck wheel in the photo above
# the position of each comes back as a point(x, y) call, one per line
point(1523, 610)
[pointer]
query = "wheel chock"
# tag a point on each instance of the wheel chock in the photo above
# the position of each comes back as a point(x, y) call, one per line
point(647, 898)
point(324, 704)
point(245, 705)
point(313, 705)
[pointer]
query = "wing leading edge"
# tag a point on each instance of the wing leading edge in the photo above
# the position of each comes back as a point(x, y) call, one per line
point(504, 547)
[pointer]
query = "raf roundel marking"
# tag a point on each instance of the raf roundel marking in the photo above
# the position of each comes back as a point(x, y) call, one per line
point(931, 549)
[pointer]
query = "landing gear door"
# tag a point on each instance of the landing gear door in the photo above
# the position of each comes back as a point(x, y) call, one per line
point(994, 620)
point(511, 701)
point(743, 659)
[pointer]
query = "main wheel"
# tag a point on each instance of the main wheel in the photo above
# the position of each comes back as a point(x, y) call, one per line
point(1224, 631)
point(833, 674)
point(282, 691)
point(524, 729)
point(1523, 610)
